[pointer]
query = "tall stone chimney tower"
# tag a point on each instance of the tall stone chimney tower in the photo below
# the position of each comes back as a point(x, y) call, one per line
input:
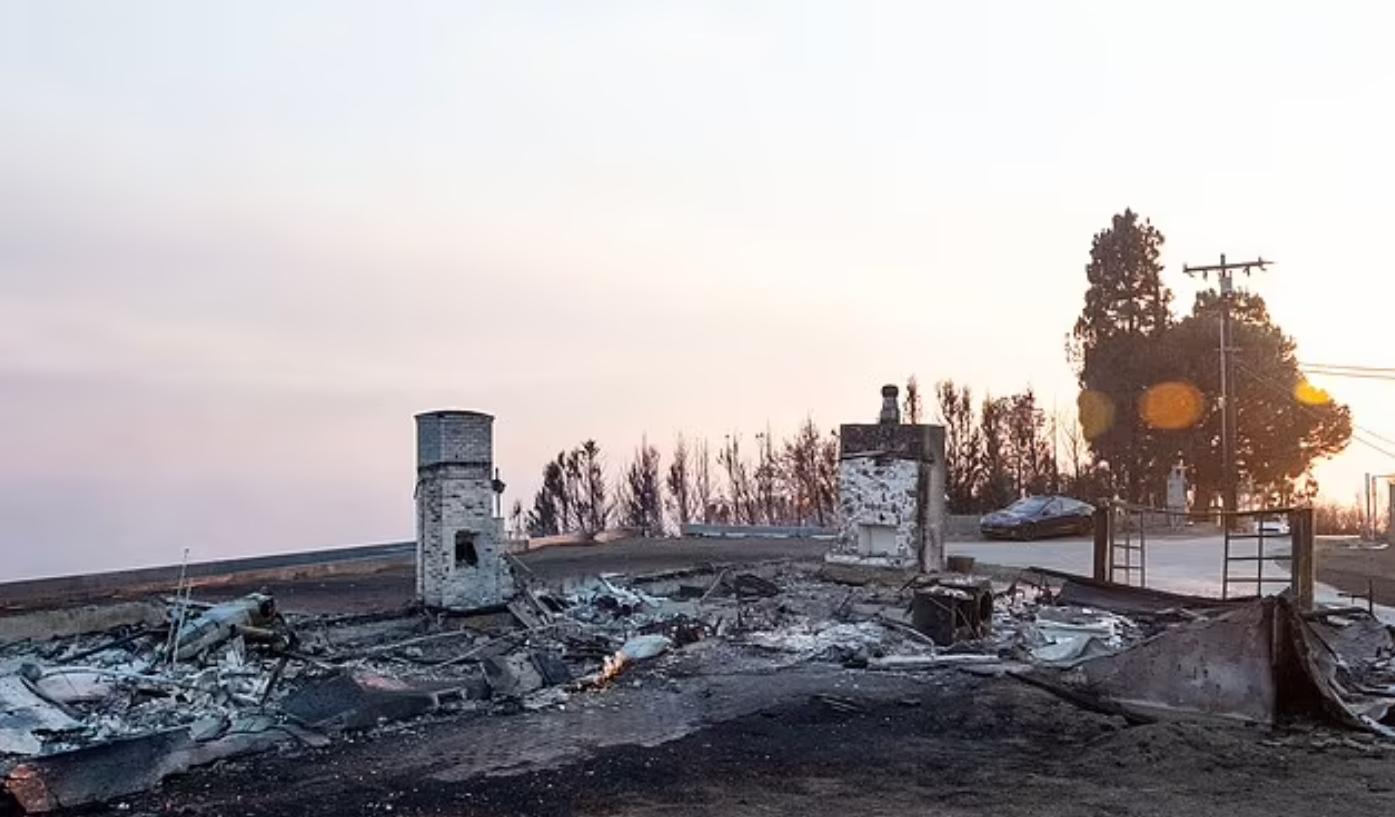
point(460, 558)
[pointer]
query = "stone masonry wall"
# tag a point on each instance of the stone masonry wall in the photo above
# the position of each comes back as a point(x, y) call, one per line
point(891, 492)
point(452, 501)
point(463, 437)
point(882, 492)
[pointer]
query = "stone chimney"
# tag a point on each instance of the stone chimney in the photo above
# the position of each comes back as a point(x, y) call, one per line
point(891, 492)
point(460, 557)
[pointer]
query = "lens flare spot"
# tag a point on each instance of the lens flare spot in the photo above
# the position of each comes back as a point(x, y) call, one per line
point(1096, 412)
point(1171, 406)
point(1310, 395)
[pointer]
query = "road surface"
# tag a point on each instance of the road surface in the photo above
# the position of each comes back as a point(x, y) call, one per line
point(1181, 564)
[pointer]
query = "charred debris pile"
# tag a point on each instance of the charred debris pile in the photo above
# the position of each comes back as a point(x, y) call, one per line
point(95, 717)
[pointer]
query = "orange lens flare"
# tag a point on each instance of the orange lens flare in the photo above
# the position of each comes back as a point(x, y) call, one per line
point(1096, 412)
point(1310, 395)
point(1171, 406)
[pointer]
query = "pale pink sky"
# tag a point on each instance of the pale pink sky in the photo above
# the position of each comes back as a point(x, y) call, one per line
point(241, 244)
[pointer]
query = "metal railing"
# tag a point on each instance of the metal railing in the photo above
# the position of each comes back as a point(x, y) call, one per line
point(1128, 548)
point(1121, 548)
point(1261, 519)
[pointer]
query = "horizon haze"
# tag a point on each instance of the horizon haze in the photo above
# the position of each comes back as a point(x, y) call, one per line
point(241, 245)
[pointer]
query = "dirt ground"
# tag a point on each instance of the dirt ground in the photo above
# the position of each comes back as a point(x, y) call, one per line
point(944, 743)
point(1354, 570)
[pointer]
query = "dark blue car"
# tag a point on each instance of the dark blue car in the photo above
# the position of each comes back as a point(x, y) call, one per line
point(1037, 517)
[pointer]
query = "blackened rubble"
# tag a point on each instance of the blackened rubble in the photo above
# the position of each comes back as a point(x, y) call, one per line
point(73, 710)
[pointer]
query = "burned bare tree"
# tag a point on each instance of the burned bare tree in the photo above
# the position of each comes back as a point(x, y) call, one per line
point(810, 502)
point(596, 506)
point(963, 446)
point(996, 487)
point(547, 517)
point(740, 496)
point(1027, 448)
point(828, 476)
point(769, 498)
point(1080, 476)
point(703, 492)
point(573, 493)
point(1071, 458)
point(680, 485)
point(913, 407)
point(640, 495)
point(572, 501)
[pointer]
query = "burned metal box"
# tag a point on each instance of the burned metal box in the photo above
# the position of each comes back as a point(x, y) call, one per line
point(954, 610)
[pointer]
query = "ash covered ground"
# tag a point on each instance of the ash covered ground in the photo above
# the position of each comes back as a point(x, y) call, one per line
point(760, 687)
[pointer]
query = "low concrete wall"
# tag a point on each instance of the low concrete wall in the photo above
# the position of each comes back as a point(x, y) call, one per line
point(575, 538)
point(759, 531)
point(962, 525)
point(331, 561)
point(40, 625)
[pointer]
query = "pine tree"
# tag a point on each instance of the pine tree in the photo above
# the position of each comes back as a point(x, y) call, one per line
point(1115, 345)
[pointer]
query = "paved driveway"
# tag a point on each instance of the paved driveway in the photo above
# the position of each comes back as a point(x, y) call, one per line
point(1181, 564)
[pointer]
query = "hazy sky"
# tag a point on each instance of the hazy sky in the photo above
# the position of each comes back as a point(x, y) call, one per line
point(242, 243)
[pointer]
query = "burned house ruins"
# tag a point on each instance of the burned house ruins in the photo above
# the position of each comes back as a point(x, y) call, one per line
point(117, 699)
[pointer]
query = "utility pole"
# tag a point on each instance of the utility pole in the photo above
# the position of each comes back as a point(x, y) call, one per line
point(1223, 272)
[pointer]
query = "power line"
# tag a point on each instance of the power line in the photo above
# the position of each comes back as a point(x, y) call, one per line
point(1358, 374)
point(1352, 367)
point(1312, 413)
point(1369, 433)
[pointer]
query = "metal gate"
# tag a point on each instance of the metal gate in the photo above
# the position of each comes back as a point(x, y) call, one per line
point(1267, 529)
point(1133, 549)
point(1121, 547)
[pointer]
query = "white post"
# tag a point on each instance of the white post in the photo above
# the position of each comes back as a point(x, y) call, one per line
point(1369, 533)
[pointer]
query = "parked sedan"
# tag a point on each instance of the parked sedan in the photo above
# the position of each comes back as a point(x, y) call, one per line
point(1037, 517)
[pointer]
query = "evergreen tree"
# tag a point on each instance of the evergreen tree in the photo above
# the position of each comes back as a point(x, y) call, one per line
point(1115, 348)
point(1280, 430)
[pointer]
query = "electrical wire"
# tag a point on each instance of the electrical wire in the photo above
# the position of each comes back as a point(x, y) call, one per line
point(1310, 412)
point(1362, 372)
point(1338, 373)
point(1352, 367)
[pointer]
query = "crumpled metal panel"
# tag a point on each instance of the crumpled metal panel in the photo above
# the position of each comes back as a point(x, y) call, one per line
point(1222, 666)
point(97, 773)
point(23, 713)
